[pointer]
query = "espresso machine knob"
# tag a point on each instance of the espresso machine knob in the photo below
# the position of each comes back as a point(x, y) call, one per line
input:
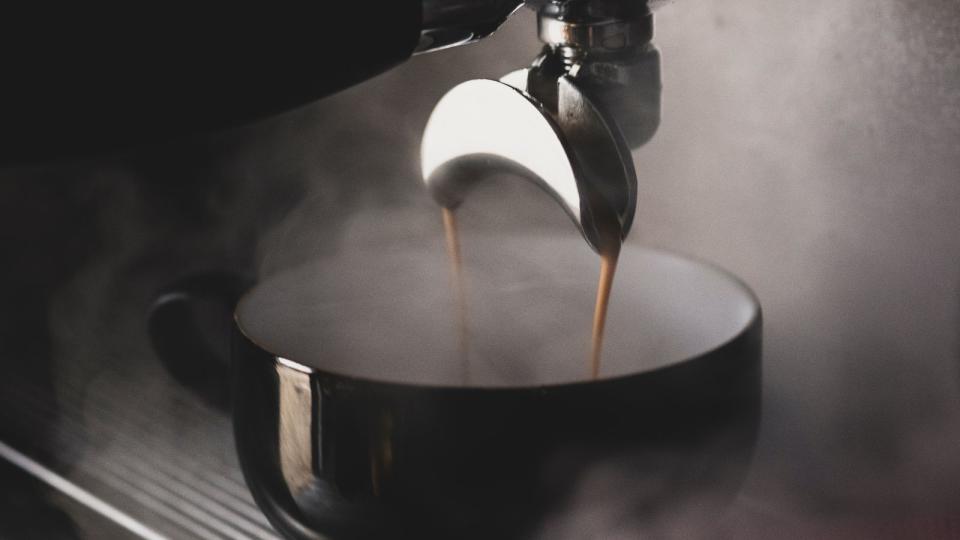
point(566, 123)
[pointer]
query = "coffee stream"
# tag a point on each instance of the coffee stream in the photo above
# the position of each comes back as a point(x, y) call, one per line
point(459, 287)
point(608, 267)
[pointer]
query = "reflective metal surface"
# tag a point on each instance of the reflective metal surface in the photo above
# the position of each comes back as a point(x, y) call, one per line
point(447, 23)
point(612, 23)
point(481, 128)
point(592, 94)
point(133, 454)
point(595, 28)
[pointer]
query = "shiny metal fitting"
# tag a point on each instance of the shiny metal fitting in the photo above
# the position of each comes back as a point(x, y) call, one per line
point(448, 23)
point(594, 36)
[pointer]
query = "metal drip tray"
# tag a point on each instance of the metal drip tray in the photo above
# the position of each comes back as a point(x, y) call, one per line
point(126, 455)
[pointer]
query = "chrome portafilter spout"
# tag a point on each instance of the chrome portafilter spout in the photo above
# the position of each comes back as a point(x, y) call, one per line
point(566, 123)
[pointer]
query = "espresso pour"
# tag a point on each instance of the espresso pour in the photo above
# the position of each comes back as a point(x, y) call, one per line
point(459, 287)
point(608, 266)
point(539, 125)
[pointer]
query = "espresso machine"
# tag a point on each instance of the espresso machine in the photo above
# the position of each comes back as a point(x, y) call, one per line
point(148, 158)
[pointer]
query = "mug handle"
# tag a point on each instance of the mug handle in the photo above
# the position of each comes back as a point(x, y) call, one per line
point(189, 324)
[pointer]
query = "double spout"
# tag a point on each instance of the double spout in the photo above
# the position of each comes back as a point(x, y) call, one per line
point(567, 123)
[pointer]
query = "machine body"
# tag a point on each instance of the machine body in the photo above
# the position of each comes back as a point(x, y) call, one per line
point(101, 77)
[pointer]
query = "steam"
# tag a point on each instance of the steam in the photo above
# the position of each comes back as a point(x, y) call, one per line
point(809, 146)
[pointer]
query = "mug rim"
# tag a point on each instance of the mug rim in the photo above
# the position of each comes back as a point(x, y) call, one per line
point(750, 326)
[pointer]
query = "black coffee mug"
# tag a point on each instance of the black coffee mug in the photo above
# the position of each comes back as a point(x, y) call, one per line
point(329, 453)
